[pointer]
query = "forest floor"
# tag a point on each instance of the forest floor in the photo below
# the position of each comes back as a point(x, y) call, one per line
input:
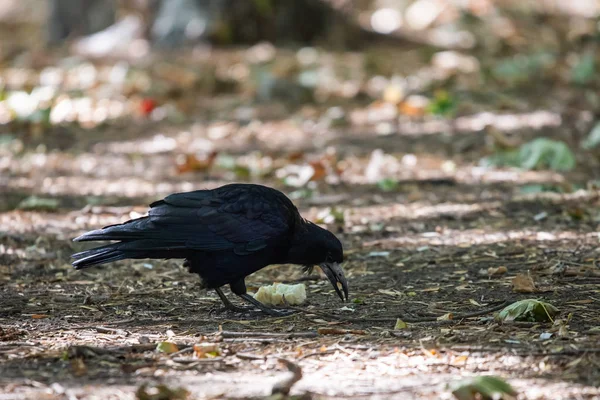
point(433, 238)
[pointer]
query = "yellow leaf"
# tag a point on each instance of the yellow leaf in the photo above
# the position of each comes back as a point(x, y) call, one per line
point(400, 324)
point(460, 359)
point(167, 347)
point(475, 303)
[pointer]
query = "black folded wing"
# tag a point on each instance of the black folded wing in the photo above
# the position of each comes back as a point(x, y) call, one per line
point(242, 218)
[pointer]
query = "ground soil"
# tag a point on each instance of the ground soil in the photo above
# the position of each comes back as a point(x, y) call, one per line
point(440, 252)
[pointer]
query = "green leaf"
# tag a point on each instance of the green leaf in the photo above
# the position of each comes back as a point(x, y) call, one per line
point(442, 104)
point(400, 324)
point(584, 70)
point(34, 203)
point(540, 153)
point(388, 184)
point(593, 138)
point(537, 188)
point(330, 215)
point(161, 392)
point(546, 153)
point(523, 67)
point(528, 310)
point(482, 387)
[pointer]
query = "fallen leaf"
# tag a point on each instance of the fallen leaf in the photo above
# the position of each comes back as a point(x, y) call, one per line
point(523, 284)
point(207, 350)
point(497, 271)
point(167, 347)
point(475, 303)
point(393, 293)
point(147, 106)
point(400, 324)
point(527, 310)
point(78, 366)
point(161, 392)
point(446, 317)
point(195, 163)
point(482, 387)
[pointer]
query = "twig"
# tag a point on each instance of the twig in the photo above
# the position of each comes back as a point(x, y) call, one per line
point(249, 356)
point(254, 340)
point(285, 385)
point(317, 353)
point(103, 329)
point(432, 320)
point(290, 335)
point(182, 351)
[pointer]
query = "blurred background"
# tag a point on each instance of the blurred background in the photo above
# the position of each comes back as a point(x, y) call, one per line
point(135, 98)
point(452, 145)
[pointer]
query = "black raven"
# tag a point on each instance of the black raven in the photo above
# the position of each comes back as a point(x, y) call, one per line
point(224, 235)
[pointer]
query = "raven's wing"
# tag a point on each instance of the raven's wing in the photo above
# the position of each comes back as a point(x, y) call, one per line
point(239, 218)
point(234, 217)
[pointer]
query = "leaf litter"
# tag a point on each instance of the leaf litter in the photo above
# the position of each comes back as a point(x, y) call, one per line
point(387, 157)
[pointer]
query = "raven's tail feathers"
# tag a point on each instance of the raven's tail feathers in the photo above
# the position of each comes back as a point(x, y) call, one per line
point(99, 255)
point(130, 230)
point(134, 249)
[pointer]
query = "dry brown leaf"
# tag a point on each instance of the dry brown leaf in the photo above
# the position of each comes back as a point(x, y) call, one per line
point(193, 163)
point(319, 171)
point(207, 350)
point(499, 139)
point(78, 366)
point(497, 271)
point(523, 283)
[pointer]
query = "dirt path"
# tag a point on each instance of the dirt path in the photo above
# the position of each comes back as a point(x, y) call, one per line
point(423, 251)
point(436, 240)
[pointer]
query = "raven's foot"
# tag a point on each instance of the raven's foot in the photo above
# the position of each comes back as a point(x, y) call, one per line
point(228, 304)
point(267, 310)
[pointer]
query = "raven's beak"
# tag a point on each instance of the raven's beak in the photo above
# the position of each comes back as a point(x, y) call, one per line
point(335, 274)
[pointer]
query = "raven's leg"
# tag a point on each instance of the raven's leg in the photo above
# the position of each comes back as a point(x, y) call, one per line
point(239, 288)
point(190, 264)
point(228, 304)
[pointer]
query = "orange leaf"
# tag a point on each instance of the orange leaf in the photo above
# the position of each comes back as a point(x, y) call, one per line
point(191, 163)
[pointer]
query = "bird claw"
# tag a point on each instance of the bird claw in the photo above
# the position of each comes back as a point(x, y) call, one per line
point(278, 312)
point(235, 309)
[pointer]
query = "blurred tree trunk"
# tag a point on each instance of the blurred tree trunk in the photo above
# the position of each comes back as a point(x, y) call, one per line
point(69, 18)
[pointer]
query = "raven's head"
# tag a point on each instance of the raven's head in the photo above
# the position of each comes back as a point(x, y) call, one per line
point(314, 245)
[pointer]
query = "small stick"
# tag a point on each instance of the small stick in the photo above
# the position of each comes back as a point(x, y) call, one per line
point(285, 385)
point(290, 335)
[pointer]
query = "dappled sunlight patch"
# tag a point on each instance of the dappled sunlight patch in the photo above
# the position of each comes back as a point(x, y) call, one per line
point(471, 237)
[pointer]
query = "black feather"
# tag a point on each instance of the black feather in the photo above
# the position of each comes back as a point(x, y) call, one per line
point(224, 234)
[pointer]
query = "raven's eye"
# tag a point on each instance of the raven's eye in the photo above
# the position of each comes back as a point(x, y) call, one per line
point(328, 258)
